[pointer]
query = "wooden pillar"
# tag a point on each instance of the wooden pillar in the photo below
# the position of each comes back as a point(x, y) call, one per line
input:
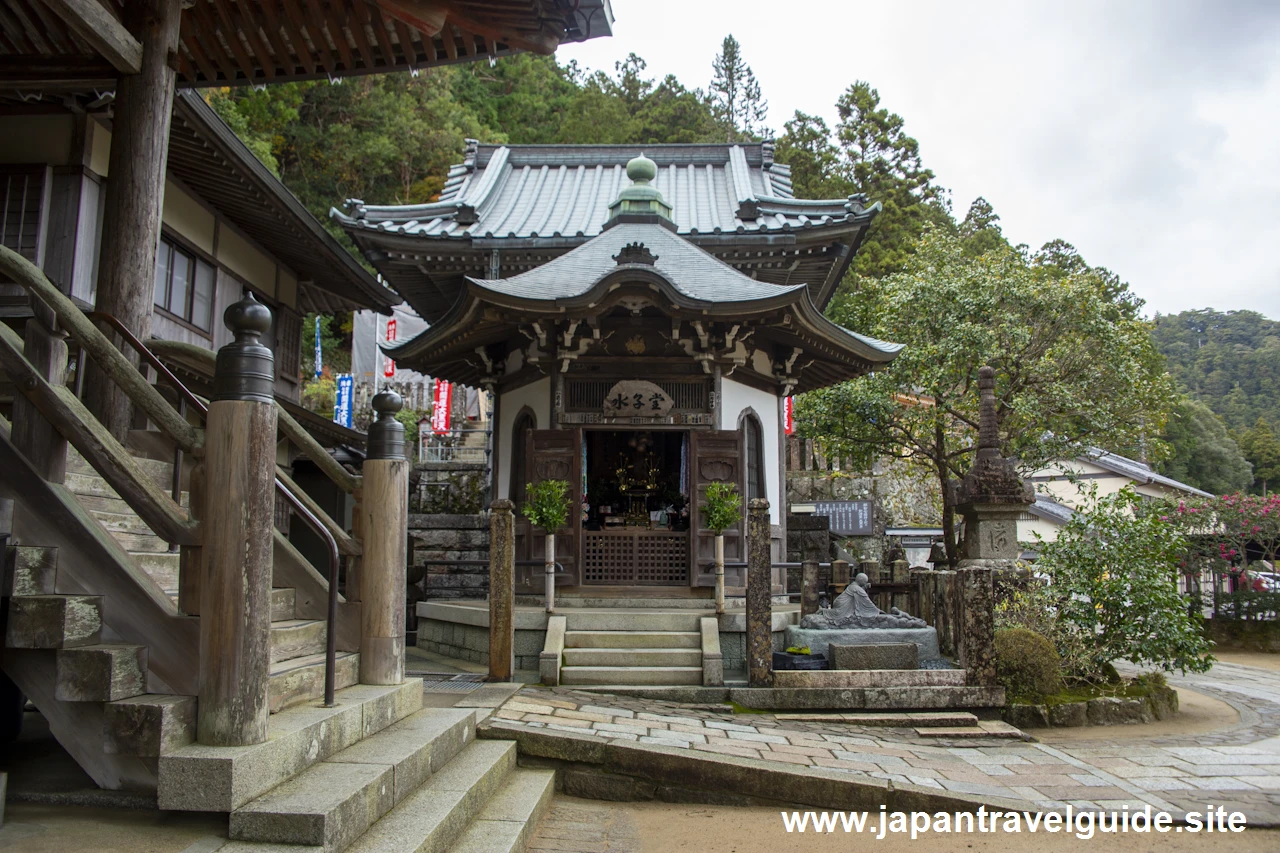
point(135, 194)
point(759, 596)
point(191, 557)
point(46, 348)
point(384, 529)
point(502, 590)
point(235, 596)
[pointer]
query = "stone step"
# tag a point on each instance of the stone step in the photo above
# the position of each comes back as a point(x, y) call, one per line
point(327, 806)
point(100, 673)
point(295, 638)
point(618, 675)
point(54, 621)
point(633, 657)
point(984, 729)
point(30, 570)
point(632, 640)
point(433, 817)
point(149, 725)
point(299, 680)
point(509, 819)
point(282, 605)
point(224, 778)
point(907, 720)
point(335, 801)
point(630, 620)
point(85, 486)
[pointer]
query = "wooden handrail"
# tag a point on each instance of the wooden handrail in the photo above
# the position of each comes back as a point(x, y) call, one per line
point(109, 359)
point(292, 430)
point(58, 404)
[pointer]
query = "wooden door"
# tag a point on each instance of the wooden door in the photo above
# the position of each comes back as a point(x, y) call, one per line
point(717, 458)
point(552, 454)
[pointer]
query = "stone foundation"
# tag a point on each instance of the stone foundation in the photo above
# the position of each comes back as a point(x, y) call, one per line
point(925, 639)
point(436, 543)
point(471, 642)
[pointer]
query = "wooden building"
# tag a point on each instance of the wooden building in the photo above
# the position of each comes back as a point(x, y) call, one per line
point(636, 351)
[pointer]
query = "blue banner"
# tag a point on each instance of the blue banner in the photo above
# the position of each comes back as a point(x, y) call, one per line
point(342, 406)
point(318, 357)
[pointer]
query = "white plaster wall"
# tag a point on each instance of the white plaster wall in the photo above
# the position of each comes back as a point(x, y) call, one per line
point(1028, 528)
point(737, 398)
point(535, 395)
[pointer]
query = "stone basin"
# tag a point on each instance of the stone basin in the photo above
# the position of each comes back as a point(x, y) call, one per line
point(818, 639)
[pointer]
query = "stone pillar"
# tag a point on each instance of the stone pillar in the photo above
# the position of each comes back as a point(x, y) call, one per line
point(840, 572)
point(944, 611)
point(502, 590)
point(977, 629)
point(235, 595)
point(901, 574)
point(384, 525)
point(923, 586)
point(759, 596)
point(808, 588)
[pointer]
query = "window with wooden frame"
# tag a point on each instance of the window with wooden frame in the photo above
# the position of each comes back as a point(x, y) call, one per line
point(184, 285)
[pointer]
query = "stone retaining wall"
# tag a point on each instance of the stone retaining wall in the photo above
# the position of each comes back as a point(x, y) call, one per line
point(1161, 704)
point(471, 642)
point(436, 542)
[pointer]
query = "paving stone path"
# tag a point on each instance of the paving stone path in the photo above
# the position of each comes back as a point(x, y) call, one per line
point(1238, 768)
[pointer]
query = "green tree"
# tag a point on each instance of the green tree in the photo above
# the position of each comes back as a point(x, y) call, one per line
point(883, 162)
point(1071, 369)
point(1058, 259)
point(735, 94)
point(1262, 449)
point(980, 231)
point(1113, 573)
point(816, 168)
point(1202, 454)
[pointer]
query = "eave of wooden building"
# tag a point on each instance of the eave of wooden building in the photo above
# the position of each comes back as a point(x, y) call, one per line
point(81, 45)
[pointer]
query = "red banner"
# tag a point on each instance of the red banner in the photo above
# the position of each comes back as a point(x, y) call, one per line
point(389, 365)
point(790, 420)
point(441, 406)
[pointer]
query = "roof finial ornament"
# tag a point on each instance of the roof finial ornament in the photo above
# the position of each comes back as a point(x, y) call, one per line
point(640, 202)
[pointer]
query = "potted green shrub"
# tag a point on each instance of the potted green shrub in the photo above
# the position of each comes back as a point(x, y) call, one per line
point(547, 506)
point(723, 509)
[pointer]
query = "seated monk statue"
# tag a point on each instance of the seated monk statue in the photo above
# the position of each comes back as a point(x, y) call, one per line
point(854, 608)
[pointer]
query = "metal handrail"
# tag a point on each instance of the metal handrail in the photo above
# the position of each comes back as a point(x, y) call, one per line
point(335, 561)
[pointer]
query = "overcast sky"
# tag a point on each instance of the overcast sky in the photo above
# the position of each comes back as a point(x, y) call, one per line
point(1145, 133)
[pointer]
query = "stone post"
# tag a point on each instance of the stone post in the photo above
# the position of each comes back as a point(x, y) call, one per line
point(923, 586)
point(719, 574)
point(977, 630)
point(384, 525)
point(502, 590)
point(808, 588)
point(759, 596)
point(235, 595)
point(840, 572)
point(902, 575)
point(549, 570)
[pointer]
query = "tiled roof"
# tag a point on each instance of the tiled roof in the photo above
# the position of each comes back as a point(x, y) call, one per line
point(1051, 510)
point(1139, 471)
point(564, 191)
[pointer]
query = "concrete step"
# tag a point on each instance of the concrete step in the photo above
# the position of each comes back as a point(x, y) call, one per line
point(54, 621)
point(509, 819)
point(433, 817)
point(295, 638)
point(30, 571)
point(282, 605)
point(299, 680)
point(652, 675)
point(632, 640)
point(224, 778)
point(100, 673)
point(633, 657)
point(149, 725)
point(630, 620)
point(334, 802)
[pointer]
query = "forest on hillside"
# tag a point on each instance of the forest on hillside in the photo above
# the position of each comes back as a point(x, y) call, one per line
point(1076, 373)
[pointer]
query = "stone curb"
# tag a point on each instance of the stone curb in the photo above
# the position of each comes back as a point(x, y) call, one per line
point(733, 775)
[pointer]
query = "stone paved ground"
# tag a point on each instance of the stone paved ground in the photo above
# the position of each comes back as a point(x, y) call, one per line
point(1239, 767)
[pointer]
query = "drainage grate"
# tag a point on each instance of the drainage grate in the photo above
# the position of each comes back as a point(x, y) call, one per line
point(437, 682)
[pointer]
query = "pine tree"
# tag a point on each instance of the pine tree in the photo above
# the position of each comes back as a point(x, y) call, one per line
point(980, 232)
point(735, 94)
point(1261, 447)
